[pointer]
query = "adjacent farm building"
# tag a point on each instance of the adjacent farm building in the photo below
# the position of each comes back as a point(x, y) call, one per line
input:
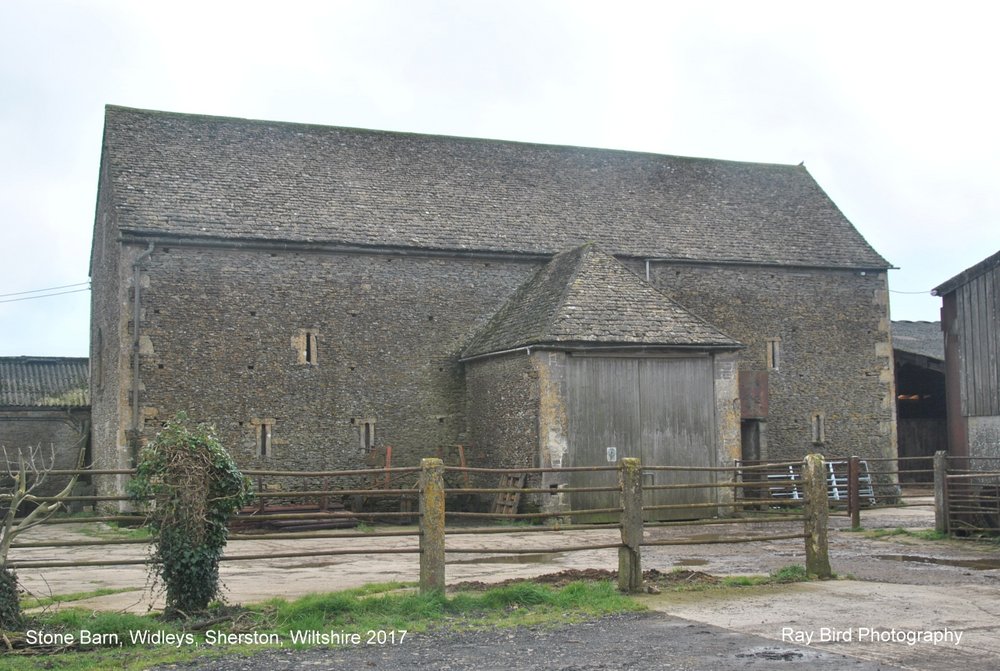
point(319, 293)
point(44, 409)
point(970, 318)
point(922, 411)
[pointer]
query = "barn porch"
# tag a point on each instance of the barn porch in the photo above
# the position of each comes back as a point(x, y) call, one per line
point(588, 364)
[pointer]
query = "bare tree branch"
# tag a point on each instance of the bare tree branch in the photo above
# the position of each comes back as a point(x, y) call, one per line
point(33, 464)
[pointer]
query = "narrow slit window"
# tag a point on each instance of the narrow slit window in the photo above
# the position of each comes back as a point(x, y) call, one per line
point(264, 439)
point(818, 429)
point(366, 433)
point(311, 348)
point(773, 353)
point(307, 344)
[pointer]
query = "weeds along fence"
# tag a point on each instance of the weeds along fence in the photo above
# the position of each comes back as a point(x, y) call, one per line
point(321, 519)
point(967, 496)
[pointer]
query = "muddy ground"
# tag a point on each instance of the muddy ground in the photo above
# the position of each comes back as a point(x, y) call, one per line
point(897, 588)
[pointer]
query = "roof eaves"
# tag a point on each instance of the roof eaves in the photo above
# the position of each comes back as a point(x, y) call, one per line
point(967, 275)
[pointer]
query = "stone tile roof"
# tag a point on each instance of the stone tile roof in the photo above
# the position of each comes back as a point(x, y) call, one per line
point(923, 338)
point(968, 275)
point(586, 297)
point(50, 382)
point(200, 176)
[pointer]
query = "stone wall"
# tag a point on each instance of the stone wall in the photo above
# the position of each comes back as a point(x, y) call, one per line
point(224, 332)
point(110, 345)
point(834, 353)
point(984, 442)
point(58, 434)
point(503, 409)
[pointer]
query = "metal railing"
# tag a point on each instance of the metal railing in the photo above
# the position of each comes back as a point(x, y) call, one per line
point(854, 484)
point(968, 497)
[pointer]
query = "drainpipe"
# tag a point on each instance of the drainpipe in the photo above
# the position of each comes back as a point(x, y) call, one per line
point(136, 304)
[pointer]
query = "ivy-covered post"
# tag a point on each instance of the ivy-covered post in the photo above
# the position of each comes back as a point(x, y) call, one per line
point(431, 525)
point(630, 553)
point(195, 486)
point(817, 513)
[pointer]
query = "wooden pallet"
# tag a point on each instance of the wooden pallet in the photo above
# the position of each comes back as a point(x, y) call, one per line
point(331, 516)
point(506, 503)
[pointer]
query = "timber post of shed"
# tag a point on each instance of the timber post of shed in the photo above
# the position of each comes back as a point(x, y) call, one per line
point(854, 491)
point(941, 492)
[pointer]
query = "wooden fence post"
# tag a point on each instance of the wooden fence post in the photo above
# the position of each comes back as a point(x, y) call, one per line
point(817, 512)
point(431, 525)
point(941, 492)
point(854, 491)
point(630, 554)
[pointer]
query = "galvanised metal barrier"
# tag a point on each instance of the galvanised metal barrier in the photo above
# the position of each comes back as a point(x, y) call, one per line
point(968, 496)
point(854, 484)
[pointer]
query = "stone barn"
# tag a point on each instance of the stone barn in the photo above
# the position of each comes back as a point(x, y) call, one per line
point(318, 292)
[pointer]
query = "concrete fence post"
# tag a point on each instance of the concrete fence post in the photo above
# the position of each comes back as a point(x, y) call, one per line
point(817, 513)
point(854, 491)
point(941, 492)
point(431, 525)
point(630, 554)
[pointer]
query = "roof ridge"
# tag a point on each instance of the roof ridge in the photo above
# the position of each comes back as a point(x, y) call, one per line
point(646, 283)
point(967, 275)
point(444, 136)
point(460, 194)
point(583, 250)
point(600, 302)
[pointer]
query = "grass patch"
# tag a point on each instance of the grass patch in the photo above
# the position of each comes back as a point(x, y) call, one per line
point(922, 534)
point(515, 523)
point(112, 530)
point(41, 602)
point(787, 574)
point(389, 607)
point(684, 580)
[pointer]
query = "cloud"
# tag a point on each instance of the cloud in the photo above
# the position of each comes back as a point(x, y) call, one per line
point(889, 105)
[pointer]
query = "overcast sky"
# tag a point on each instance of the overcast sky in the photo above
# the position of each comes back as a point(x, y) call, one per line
point(893, 107)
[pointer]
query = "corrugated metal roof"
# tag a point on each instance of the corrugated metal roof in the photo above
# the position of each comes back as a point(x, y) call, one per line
point(923, 338)
point(50, 382)
point(237, 179)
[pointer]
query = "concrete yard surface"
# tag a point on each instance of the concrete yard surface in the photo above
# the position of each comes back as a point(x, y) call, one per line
point(894, 595)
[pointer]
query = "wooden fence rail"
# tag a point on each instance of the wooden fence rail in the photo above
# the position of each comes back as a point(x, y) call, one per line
point(431, 496)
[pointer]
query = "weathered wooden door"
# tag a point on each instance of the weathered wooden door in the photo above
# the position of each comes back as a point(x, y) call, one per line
point(660, 410)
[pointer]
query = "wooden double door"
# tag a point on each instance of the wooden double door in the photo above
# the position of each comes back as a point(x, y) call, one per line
point(658, 409)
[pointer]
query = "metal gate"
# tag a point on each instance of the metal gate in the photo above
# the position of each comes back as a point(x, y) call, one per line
point(660, 410)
